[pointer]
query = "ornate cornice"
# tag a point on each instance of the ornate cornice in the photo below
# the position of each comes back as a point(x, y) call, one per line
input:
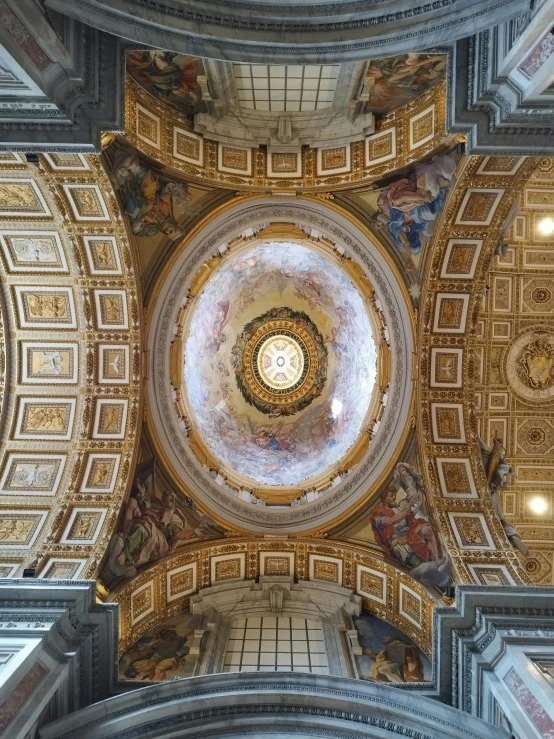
point(221, 29)
point(225, 703)
point(463, 635)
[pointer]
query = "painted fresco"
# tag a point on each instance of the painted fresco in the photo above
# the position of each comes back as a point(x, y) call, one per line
point(408, 207)
point(403, 530)
point(159, 208)
point(169, 77)
point(149, 199)
point(398, 523)
point(388, 655)
point(279, 450)
point(163, 653)
point(397, 80)
point(153, 523)
point(405, 207)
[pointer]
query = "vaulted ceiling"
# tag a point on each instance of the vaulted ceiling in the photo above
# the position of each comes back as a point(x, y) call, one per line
point(110, 264)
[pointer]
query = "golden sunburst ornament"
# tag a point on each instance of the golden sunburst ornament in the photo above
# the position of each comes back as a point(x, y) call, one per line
point(280, 362)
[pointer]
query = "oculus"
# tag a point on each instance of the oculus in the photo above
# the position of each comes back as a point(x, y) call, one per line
point(280, 362)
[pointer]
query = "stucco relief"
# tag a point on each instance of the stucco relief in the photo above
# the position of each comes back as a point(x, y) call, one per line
point(530, 365)
point(57, 230)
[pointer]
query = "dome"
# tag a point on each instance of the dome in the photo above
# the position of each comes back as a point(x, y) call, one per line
point(280, 364)
point(281, 344)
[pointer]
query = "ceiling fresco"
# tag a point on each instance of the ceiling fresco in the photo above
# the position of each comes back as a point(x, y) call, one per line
point(151, 201)
point(154, 522)
point(394, 81)
point(181, 439)
point(401, 525)
point(159, 206)
point(170, 77)
point(182, 81)
point(291, 368)
point(406, 207)
point(280, 362)
point(170, 650)
point(271, 444)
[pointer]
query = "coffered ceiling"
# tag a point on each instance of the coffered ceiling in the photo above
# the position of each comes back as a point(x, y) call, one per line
point(71, 364)
point(514, 368)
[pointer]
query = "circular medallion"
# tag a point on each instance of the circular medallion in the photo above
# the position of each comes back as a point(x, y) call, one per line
point(280, 362)
point(530, 365)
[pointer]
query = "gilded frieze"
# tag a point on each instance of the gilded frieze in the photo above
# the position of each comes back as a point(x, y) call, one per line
point(165, 589)
point(402, 135)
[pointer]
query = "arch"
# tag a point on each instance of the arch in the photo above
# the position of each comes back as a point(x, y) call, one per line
point(243, 704)
point(72, 338)
point(166, 588)
point(473, 220)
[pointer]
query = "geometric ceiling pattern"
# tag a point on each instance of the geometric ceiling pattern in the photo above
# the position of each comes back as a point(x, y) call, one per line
point(462, 250)
point(70, 365)
point(514, 369)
